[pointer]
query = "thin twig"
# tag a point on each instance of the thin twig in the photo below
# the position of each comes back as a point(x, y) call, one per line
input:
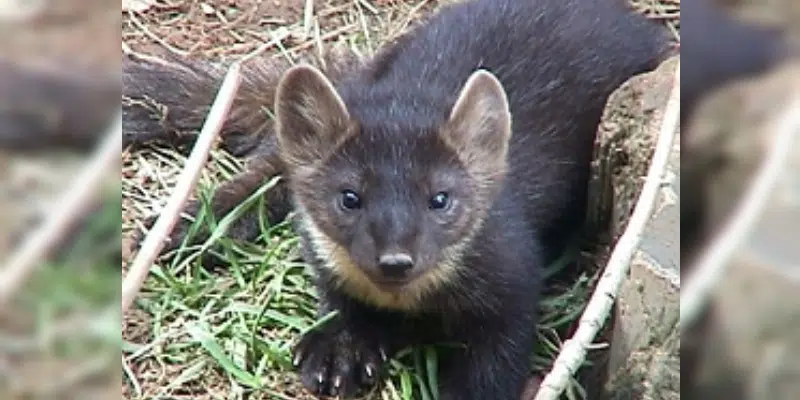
point(132, 378)
point(73, 204)
point(308, 18)
point(711, 266)
point(276, 37)
point(147, 32)
point(573, 353)
point(327, 36)
point(154, 241)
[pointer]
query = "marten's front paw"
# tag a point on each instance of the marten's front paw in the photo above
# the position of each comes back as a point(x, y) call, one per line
point(338, 363)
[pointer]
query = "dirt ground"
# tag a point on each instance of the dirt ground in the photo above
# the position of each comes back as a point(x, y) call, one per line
point(236, 27)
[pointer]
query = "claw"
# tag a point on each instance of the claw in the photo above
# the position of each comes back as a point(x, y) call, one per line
point(298, 358)
point(369, 371)
point(383, 354)
point(337, 385)
point(320, 378)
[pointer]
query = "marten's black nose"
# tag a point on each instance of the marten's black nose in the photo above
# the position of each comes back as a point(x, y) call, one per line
point(395, 265)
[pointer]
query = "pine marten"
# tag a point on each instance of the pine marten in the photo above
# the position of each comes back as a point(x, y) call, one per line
point(433, 182)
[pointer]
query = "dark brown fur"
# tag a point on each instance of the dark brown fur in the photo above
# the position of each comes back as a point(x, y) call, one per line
point(44, 107)
point(167, 101)
point(468, 156)
point(429, 115)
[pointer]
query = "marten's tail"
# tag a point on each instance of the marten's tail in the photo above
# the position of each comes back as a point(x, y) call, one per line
point(167, 100)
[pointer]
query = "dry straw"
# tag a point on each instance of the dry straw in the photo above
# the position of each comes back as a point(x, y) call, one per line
point(154, 241)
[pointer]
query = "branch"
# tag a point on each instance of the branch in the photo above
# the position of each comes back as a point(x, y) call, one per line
point(573, 353)
point(154, 241)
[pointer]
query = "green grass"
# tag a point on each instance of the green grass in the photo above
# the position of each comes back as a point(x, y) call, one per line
point(228, 332)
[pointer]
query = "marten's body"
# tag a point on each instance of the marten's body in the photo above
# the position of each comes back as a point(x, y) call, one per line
point(431, 193)
point(434, 183)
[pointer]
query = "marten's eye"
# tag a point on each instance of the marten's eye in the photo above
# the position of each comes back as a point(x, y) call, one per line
point(349, 200)
point(440, 201)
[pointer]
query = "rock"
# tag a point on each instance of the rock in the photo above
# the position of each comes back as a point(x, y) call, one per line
point(643, 361)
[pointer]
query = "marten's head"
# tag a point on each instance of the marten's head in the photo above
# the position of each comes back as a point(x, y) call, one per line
point(391, 199)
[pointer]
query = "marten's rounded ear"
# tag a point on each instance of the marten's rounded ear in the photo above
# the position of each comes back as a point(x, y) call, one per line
point(309, 115)
point(479, 127)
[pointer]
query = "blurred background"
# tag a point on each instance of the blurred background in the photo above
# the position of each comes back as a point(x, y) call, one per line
point(59, 300)
point(59, 89)
point(740, 201)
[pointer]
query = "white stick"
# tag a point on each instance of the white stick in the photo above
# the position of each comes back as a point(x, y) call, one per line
point(308, 17)
point(154, 241)
point(711, 267)
point(73, 203)
point(574, 350)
